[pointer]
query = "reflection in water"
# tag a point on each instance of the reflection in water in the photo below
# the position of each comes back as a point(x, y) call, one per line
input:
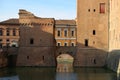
point(10, 78)
point(66, 76)
point(33, 73)
point(118, 76)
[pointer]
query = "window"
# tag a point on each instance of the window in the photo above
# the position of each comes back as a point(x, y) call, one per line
point(58, 44)
point(94, 10)
point(86, 42)
point(72, 33)
point(94, 32)
point(7, 32)
point(7, 40)
point(13, 45)
point(72, 44)
point(0, 45)
point(0, 40)
point(94, 61)
point(27, 57)
point(43, 58)
point(102, 7)
point(65, 33)
point(60, 53)
point(65, 44)
point(19, 32)
point(59, 33)
point(1, 32)
point(88, 10)
point(14, 32)
point(31, 41)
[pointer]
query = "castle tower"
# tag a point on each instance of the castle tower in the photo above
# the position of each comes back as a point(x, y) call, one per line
point(114, 25)
point(97, 31)
point(36, 40)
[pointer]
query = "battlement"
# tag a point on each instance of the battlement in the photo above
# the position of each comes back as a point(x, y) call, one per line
point(26, 17)
point(25, 14)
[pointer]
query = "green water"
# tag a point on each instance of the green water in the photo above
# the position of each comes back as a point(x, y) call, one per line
point(36, 73)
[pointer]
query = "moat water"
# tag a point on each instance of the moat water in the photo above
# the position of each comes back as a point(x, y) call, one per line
point(36, 73)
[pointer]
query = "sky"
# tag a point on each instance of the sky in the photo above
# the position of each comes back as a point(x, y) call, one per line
point(58, 9)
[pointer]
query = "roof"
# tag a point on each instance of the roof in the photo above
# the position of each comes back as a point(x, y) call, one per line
point(65, 22)
point(10, 21)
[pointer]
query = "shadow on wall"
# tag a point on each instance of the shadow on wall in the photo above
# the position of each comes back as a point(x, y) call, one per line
point(113, 61)
point(37, 46)
point(42, 51)
point(85, 56)
point(8, 56)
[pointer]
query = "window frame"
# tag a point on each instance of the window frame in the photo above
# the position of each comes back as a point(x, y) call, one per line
point(14, 32)
point(66, 44)
point(58, 43)
point(58, 33)
point(7, 32)
point(102, 8)
point(72, 44)
point(65, 32)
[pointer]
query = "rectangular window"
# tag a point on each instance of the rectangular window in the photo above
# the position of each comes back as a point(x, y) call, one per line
point(94, 61)
point(65, 33)
point(14, 32)
point(0, 45)
point(102, 7)
point(1, 32)
point(72, 33)
point(31, 41)
point(72, 44)
point(65, 44)
point(58, 33)
point(7, 40)
point(7, 32)
point(0, 40)
point(86, 42)
point(43, 58)
point(58, 44)
point(27, 57)
point(94, 32)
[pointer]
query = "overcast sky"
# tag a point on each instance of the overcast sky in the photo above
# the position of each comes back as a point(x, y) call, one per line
point(59, 9)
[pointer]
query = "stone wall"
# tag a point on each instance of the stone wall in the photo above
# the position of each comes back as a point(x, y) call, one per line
point(37, 41)
point(36, 56)
point(113, 60)
point(114, 29)
point(3, 61)
point(92, 33)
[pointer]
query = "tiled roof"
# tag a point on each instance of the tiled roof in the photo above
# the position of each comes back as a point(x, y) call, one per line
point(10, 21)
point(65, 22)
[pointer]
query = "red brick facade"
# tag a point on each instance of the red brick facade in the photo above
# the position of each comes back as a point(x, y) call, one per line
point(36, 41)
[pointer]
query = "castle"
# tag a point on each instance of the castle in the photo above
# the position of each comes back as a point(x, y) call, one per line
point(90, 39)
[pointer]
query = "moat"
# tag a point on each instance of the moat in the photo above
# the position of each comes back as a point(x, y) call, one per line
point(37, 73)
